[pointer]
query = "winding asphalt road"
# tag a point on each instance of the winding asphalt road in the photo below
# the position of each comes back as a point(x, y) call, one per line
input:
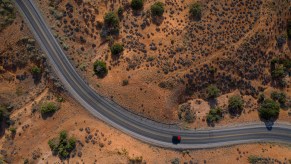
point(136, 126)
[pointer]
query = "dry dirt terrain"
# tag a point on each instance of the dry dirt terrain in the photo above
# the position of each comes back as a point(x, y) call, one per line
point(99, 143)
point(172, 60)
point(25, 134)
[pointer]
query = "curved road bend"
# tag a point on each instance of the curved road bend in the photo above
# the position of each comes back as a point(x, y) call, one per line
point(143, 129)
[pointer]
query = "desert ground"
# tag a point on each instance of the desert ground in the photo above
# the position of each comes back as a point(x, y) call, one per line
point(172, 60)
point(166, 64)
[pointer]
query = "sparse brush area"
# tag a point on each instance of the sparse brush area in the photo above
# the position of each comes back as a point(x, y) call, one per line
point(174, 52)
point(7, 13)
point(63, 145)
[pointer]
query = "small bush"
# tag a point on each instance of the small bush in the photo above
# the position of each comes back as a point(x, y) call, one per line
point(278, 72)
point(124, 82)
point(137, 4)
point(195, 11)
point(48, 108)
point(185, 113)
point(62, 146)
point(157, 9)
point(269, 110)
point(280, 97)
point(214, 115)
point(120, 11)
point(261, 98)
point(235, 105)
point(12, 130)
point(116, 49)
point(212, 91)
point(111, 20)
point(35, 70)
point(100, 68)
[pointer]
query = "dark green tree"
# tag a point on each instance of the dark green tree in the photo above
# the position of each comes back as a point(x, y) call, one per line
point(111, 20)
point(214, 115)
point(100, 68)
point(212, 91)
point(157, 9)
point(235, 105)
point(48, 108)
point(195, 11)
point(116, 49)
point(269, 110)
point(62, 146)
point(137, 4)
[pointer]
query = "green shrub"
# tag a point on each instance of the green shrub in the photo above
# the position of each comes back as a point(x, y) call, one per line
point(62, 146)
point(235, 105)
point(261, 98)
point(116, 49)
point(214, 115)
point(185, 113)
point(279, 72)
point(157, 9)
point(137, 4)
point(35, 70)
point(7, 14)
point(111, 20)
point(12, 130)
point(195, 11)
point(269, 110)
point(280, 97)
point(48, 108)
point(120, 11)
point(124, 82)
point(212, 91)
point(100, 68)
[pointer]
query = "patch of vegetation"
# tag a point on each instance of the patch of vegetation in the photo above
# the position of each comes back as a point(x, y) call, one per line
point(257, 160)
point(212, 91)
point(157, 9)
point(120, 11)
point(12, 130)
point(100, 68)
point(279, 69)
point(111, 20)
point(124, 82)
point(7, 14)
point(135, 160)
point(62, 146)
point(235, 105)
point(48, 108)
point(35, 70)
point(279, 96)
point(116, 49)
point(261, 98)
point(289, 29)
point(195, 11)
point(137, 4)
point(185, 113)
point(4, 113)
point(269, 110)
point(111, 25)
point(214, 115)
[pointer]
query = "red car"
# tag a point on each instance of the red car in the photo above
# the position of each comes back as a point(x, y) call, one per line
point(176, 139)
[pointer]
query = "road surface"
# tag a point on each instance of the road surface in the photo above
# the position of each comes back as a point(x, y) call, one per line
point(141, 128)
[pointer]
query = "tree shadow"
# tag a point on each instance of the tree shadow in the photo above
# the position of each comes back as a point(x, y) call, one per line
point(212, 102)
point(47, 115)
point(289, 44)
point(269, 123)
point(157, 20)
